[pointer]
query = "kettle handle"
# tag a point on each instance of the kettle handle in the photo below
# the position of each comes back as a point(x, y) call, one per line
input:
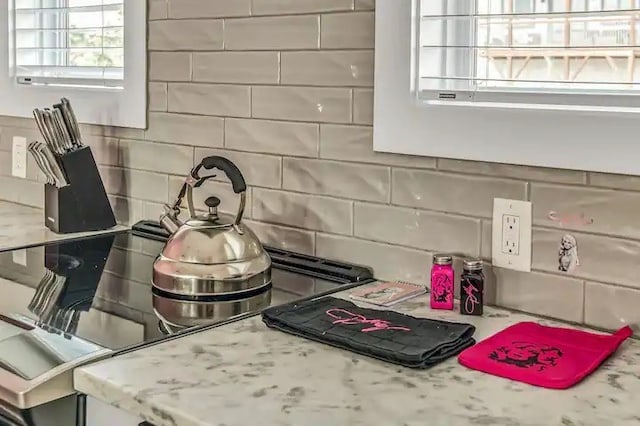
point(232, 172)
point(227, 166)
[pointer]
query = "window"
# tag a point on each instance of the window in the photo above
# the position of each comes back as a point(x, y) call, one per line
point(72, 42)
point(560, 53)
point(537, 116)
point(91, 51)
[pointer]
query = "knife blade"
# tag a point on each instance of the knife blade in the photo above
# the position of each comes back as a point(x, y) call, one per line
point(66, 104)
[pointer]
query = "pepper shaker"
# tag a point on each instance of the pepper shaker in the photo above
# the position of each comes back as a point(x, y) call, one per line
point(472, 287)
point(442, 282)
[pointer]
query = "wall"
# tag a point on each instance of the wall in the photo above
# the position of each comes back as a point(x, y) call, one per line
point(284, 88)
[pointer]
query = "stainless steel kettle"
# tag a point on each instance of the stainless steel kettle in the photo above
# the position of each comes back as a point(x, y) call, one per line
point(207, 256)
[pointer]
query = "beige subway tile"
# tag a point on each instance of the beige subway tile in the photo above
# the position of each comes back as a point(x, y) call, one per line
point(355, 143)
point(328, 68)
point(365, 4)
point(157, 9)
point(283, 237)
point(236, 67)
point(33, 170)
point(106, 150)
point(272, 33)
point(195, 130)
point(127, 211)
point(304, 211)
point(540, 294)
point(157, 96)
point(169, 66)
point(137, 184)
point(487, 240)
point(355, 30)
point(22, 191)
point(613, 212)
point(348, 180)
point(388, 262)
point(258, 169)
point(21, 122)
point(363, 106)
point(181, 9)
point(302, 103)
point(152, 211)
point(190, 34)
point(157, 157)
point(607, 180)
point(419, 229)
point(9, 132)
point(276, 7)
point(604, 259)
point(272, 137)
point(229, 201)
point(452, 193)
point(88, 130)
point(513, 171)
point(210, 99)
point(611, 307)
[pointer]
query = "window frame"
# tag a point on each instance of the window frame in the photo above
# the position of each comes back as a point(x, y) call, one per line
point(471, 93)
point(94, 105)
point(604, 141)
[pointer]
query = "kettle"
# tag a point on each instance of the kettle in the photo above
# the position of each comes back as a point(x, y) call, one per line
point(207, 256)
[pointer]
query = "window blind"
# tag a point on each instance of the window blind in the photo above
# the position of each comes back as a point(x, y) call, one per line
point(69, 42)
point(578, 52)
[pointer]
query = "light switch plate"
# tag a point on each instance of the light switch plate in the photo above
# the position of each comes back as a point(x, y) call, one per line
point(511, 246)
point(19, 157)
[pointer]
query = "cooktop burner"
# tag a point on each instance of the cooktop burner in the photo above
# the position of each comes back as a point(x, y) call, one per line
point(98, 289)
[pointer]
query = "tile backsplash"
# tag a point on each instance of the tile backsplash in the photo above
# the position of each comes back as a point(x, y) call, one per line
point(284, 88)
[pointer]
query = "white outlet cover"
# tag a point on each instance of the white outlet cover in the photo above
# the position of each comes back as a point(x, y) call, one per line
point(19, 157)
point(520, 261)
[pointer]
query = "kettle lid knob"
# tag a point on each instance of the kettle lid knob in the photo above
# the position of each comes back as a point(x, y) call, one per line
point(212, 202)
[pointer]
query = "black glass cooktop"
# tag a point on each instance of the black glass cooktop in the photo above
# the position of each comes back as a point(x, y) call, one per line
point(99, 289)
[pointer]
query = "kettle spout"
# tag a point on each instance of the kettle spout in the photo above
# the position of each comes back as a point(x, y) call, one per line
point(169, 220)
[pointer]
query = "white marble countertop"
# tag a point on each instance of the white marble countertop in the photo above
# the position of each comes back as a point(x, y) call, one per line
point(22, 226)
point(244, 373)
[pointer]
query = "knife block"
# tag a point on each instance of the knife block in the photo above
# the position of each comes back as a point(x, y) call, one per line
point(83, 204)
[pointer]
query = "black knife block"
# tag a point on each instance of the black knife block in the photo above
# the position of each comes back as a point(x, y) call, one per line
point(83, 204)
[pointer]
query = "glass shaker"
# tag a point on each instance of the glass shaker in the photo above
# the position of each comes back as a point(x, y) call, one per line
point(472, 288)
point(442, 282)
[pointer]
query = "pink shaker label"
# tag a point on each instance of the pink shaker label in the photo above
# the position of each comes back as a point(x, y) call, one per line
point(441, 291)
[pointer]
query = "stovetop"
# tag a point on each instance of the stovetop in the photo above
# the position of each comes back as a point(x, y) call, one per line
point(97, 291)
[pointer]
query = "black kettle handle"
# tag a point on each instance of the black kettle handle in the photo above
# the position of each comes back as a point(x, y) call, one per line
point(227, 166)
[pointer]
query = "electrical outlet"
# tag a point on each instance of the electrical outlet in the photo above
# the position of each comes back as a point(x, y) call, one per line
point(511, 246)
point(19, 157)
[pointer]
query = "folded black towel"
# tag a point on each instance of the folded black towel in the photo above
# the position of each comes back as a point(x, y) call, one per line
point(386, 335)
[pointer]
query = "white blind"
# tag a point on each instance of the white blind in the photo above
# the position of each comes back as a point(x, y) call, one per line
point(77, 42)
point(531, 51)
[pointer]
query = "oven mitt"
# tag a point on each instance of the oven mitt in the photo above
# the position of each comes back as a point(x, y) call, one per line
point(385, 335)
point(549, 357)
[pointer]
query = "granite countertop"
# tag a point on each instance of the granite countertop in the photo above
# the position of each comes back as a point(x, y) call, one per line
point(22, 226)
point(244, 373)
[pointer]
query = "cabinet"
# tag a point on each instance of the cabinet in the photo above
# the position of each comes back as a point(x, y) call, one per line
point(101, 414)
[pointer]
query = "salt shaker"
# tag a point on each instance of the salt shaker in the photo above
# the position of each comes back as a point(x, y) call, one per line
point(471, 287)
point(442, 282)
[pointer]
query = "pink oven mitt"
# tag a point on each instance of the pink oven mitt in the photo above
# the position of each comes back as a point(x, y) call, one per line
point(549, 357)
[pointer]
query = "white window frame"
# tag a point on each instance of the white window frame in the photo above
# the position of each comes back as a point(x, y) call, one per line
point(605, 141)
point(125, 107)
